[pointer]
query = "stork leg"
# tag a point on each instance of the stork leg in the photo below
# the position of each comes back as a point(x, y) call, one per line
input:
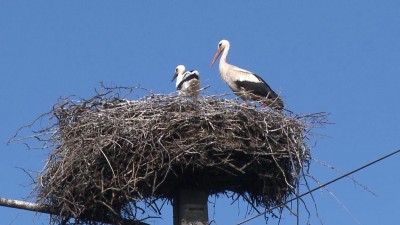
point(245, 103)
point(264, 105)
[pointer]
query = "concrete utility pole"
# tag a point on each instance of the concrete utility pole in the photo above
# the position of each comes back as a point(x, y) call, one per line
point(190, 207)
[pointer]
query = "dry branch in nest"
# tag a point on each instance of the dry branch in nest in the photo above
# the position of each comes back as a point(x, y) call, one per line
point(112, 156)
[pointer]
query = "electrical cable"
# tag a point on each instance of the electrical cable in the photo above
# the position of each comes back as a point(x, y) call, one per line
point(322, 185)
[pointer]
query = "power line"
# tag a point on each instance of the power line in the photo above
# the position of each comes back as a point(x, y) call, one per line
point(321, 186)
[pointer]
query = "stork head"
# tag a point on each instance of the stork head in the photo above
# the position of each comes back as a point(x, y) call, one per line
point(178, 71)
point(221, 46)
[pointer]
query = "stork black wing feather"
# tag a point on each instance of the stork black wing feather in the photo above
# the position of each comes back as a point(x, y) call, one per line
point(257, 88)
point(190, 76)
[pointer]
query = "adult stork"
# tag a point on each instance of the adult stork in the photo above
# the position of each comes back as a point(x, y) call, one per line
point(187, 83)
point(245, 84)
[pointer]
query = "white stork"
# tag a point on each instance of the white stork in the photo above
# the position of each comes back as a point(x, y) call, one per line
point(187, 83)
point(245, 84)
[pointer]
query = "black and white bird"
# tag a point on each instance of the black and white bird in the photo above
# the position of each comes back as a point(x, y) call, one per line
point(187, 83)
point(245, 84)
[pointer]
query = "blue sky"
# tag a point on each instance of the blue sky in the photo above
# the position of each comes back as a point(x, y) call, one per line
point(340, 57)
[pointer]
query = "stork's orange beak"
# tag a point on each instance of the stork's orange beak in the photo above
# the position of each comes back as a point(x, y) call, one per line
point(216, 56)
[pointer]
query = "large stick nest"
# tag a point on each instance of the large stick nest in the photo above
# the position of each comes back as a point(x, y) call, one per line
point(113, 156)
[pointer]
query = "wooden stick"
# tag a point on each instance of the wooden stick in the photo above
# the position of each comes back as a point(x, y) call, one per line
point(17, 204)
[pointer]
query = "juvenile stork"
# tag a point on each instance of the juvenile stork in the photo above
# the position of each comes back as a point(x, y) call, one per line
point(187, 83)
point(245, 84)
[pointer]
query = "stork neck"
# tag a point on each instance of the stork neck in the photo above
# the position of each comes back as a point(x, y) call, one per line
point(224, 55)
point(223, 65)
point(179, 79)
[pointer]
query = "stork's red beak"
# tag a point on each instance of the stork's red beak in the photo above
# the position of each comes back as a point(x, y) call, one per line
point(216, 56)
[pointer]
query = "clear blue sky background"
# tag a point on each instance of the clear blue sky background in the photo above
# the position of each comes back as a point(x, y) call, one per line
point(340, 57)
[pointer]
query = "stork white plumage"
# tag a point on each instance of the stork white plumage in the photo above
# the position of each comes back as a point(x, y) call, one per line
point(245, 84)
point(187, 83)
